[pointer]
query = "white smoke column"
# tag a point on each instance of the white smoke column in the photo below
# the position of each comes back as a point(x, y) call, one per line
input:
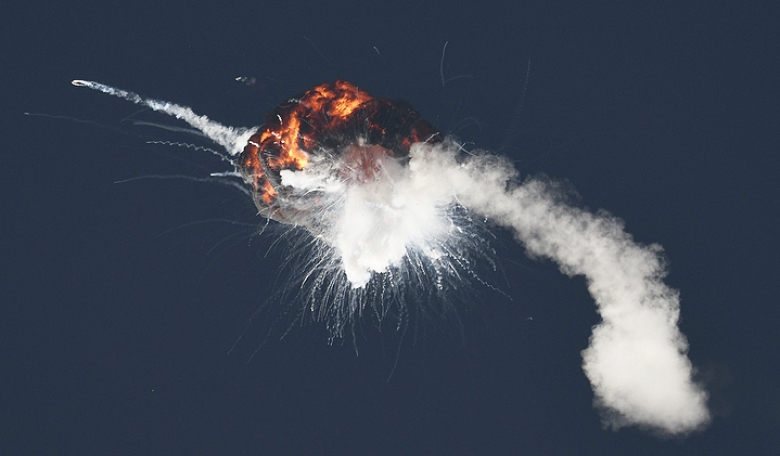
point(636, 361)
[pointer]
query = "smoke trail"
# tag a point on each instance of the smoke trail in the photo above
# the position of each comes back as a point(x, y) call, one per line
point(232, 139)
point(636, 361)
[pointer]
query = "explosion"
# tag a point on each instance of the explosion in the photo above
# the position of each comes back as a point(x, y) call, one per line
point(390, 203)
point(335, 121)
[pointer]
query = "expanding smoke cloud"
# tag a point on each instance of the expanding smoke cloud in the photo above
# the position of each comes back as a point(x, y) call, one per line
point(636, 361)
point(374, 211)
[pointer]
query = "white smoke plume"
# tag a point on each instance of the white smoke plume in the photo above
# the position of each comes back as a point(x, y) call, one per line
point(636, 361)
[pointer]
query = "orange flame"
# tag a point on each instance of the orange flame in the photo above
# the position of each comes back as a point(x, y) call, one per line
point(325, 116)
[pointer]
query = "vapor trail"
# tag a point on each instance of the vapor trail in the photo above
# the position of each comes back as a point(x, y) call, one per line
point(232, 139)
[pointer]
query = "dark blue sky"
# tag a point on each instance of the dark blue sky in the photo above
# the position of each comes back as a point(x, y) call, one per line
point(118, 310)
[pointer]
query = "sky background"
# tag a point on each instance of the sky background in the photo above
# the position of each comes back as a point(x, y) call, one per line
point(129, 318)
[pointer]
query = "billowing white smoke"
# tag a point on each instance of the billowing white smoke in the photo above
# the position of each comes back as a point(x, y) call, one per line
point(636, 361)
point(374, 224)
